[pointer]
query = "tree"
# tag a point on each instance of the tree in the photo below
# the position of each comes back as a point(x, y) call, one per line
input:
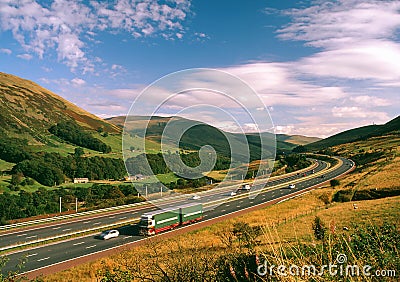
point(299, 149)
point(16, 178)
point(334, 182)
point(319, 228)
point(79, 152)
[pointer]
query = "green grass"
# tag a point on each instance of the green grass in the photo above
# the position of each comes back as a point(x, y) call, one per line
point(5, 165)
point(167, 178)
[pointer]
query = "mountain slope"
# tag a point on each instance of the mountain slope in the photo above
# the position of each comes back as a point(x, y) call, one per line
point(356, 134)
point(27, 110)
point(201, 134)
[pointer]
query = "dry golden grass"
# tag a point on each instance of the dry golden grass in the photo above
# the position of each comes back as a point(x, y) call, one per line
point(293, 218)
point(283, 223)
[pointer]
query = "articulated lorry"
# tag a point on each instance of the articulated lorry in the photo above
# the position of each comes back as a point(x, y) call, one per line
point(154, 222)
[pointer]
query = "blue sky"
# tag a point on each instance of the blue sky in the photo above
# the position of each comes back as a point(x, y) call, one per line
point(320, 67)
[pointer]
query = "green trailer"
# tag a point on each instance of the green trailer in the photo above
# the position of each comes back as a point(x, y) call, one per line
point(154, 222)
point(157, 221)
point(190, 213)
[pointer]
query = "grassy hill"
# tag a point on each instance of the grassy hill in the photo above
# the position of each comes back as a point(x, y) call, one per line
point(28, 110)
point(360, 133)
point(201, 134)
point(283, 233)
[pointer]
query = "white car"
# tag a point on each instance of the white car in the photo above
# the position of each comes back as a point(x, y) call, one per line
point(109, 234)
point(233, 193)
point(196, 197)
point(245, 187)
point(292, 186)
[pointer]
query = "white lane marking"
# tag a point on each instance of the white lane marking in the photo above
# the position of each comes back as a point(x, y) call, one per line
point(96, 223)
point(126, 237)
point(66, 229)
point(22, 235)
point(238, 206)
point(90, 246)
point(31, 237)
point(123, 217)
point(223, 211)
point(56, 228)
point(86, 222)
point(227, 205)
point(80, 243)
point(43, 259)
point(31, 255)
point(112, 216)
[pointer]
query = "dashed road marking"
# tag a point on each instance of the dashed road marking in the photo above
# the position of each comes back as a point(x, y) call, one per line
point(31, 255)
point(80, 243)
point(43, 259)
point(92, 246)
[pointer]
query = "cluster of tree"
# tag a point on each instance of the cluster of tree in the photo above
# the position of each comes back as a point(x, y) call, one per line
point(13, 150)
point(182, 183)
point(71, 132)
point(293, 161)
point(27, 204)
point(148, 164)
point(52, 168)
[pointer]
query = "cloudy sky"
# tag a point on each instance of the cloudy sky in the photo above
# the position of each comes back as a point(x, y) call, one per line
point(320, 67)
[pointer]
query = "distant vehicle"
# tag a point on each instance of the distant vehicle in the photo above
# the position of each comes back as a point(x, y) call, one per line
point(292, 186)
point(196, 197)
point(233, 193)
point(245, 187)
point(322, 176)
point(313, 171)
point(154, 222)
point(109, 234)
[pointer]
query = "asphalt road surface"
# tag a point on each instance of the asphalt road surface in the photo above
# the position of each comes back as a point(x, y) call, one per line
point(14, 237)
point(46, 255)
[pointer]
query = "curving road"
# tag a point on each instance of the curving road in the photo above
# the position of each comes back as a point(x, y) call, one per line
point(39, 258)
point(31, 234)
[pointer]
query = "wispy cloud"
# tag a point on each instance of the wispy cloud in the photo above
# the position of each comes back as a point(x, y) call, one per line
point(355, 38)
point(63, 24)
point(25, 56)
point(5, 51)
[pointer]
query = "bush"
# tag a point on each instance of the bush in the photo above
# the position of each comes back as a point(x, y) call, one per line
point(319, 228)
point(334, 182)
point(343, 196)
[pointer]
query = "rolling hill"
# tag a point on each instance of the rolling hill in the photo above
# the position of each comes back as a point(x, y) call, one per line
point(28, 110)
point(356, 134)
point(201, 134)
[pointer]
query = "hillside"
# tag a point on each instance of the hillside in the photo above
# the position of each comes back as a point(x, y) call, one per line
point(28, 110)
point(360, 133)
point(296, 139)
point(203, 134)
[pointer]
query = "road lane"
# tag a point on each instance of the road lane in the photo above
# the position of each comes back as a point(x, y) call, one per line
point(14, 237)
point(69, 250)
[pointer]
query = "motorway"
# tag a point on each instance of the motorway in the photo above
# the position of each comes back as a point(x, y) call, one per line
point(42, 256)
point(15, 237)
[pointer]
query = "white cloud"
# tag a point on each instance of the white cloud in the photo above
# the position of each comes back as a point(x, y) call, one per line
point(370, 101)
point(6, 51)
point(358, 112)
point(61, 25)
point(78, 81)
point(25, 56)
point(356, 38)
point(277, 84)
